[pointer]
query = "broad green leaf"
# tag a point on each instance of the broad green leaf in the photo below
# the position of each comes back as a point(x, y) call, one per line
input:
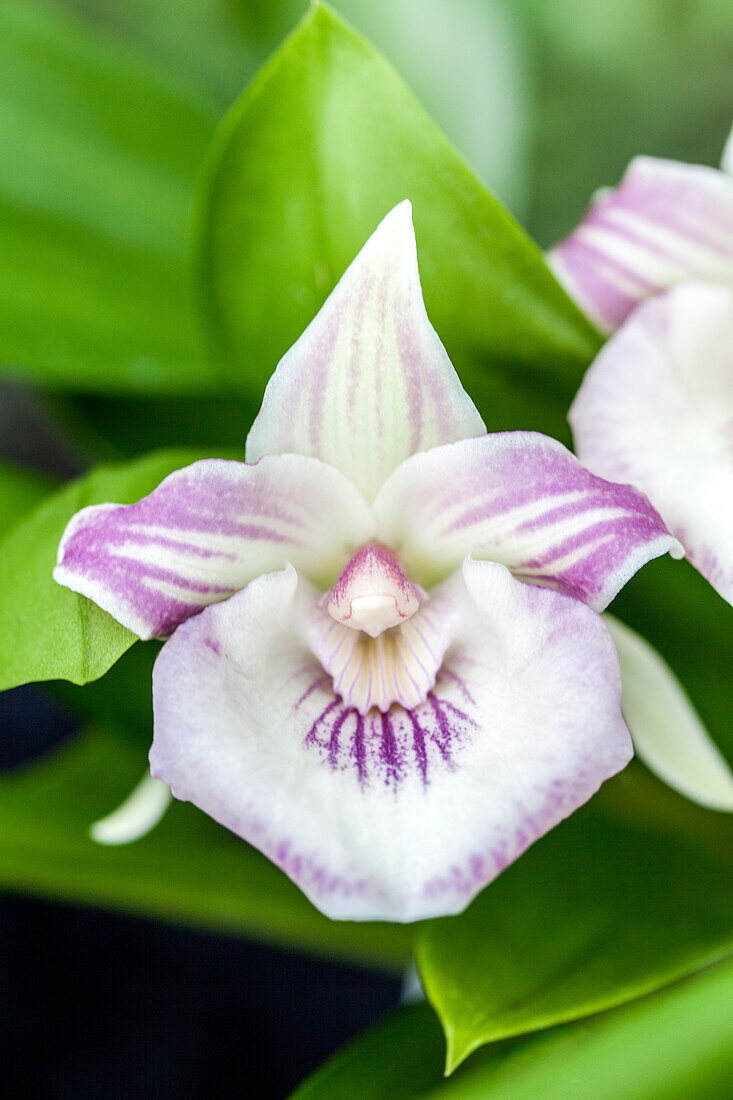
point(627, 895)
point(19, 490)
point(322, 144)
point(187, 869)
point(676, 1045)
point(98, 153)
point(48, 632)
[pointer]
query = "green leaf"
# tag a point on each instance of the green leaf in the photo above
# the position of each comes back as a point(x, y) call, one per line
point(676, 1045)
point(187, 869)
point(19, 490)
point(48, 632)
point(98, 153)
point(322, 144)
point(627, 895)
point(402, 1056)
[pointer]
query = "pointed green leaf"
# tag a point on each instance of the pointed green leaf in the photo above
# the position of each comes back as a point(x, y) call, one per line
point(676, 1045)
point(187, 869)
point(321, 145)
point(48, 632)
point(98, 153)
point(630, 893)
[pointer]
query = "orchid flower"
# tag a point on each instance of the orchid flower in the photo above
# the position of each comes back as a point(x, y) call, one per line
point(384, 667)
point(656, 407)
point(666, 223)
point(655, 256)
point(656, 410)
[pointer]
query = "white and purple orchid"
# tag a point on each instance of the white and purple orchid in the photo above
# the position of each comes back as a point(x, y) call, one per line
point(655, 256)
point(666, 223)
point(385, 666)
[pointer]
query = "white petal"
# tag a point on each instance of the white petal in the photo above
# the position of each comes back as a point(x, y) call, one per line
point(726, 160)
point(407, 814)
point(656, 409)
point(369, 382)
point(141, 811)
point(524, 500)
point(664, 224)
point(665, 728)
point(205, 532)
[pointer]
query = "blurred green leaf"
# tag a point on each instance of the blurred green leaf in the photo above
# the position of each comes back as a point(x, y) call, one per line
point(19, 490)
point(215, 44)
point(615, 78)
point(188, 868)
point(48, 632)
point(322, 144)
point(611, 904)
point(676, 1045)
point(98, 154)
point(131, 425)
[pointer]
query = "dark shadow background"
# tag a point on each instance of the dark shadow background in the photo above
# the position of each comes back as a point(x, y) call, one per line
point(98, 1006)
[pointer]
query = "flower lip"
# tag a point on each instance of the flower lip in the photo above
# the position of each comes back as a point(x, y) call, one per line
point(373, 594)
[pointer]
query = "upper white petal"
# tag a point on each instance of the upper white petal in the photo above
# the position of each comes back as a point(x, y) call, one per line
point(369, 382)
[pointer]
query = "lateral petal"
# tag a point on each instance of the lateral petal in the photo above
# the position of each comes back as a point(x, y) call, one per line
point(656, 409)
point(205, 532)
point(369, 382)
point(664, 224)
point(665, 728)
point(400, 815)
point(522, 499)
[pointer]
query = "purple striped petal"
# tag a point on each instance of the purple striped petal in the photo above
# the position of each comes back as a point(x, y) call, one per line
point(524, 500)
point(205, 532)
point(369, 382)
point(405, 814)
point(656, 409)
point(666, 223)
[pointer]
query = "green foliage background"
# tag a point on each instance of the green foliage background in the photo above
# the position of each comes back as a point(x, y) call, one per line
point(164, 236)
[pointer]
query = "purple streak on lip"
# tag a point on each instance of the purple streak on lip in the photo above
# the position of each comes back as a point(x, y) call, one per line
point(388, 746)
point(419, 746)
point(388, 749)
